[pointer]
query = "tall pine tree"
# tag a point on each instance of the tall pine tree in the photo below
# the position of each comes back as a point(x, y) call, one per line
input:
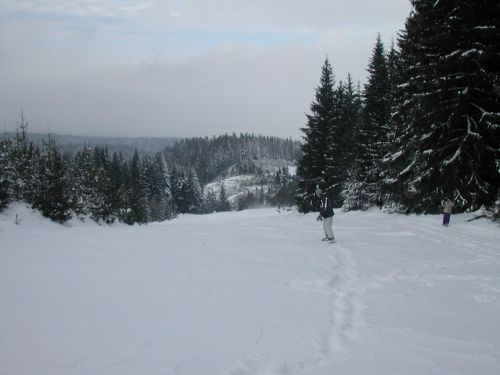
point(375, 126)
point(51, 196)
point(6, 171)
point(341, 151)
point(448, 111)
point(311, 169)
point(137, 207)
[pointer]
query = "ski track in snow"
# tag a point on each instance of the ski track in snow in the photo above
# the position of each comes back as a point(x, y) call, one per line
point(347, 308)
point(343, 290)
point(429, 275)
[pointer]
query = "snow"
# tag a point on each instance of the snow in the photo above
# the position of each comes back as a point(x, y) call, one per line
point(408, 168)
point(453, 158)
point(472, 51)
point(425, 136)
point(239, 185)
point(250, 292)
point(235, 186)
point(396, 155)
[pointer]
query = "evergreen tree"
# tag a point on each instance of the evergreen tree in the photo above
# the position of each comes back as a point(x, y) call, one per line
point(175, 189)
point(393, 79)
point(103, 209)
point(180, 189)
point(51, 197)
point(246, 200)
point(449, 133)
point(194, 193)
point(210, 203)
point(149, 183)
point(6, 171)
point(84, 187)
point(374, 130)
point(118, 186)
point(354, 197)
point(136, 200)
point(284, 188)
point(341, 152)
point(311, 169)
point(21, 163)
point(335, 171)
point(165, 200)
point(350, 115)
point(394, 72)
point(223, 202)
point(157, 188)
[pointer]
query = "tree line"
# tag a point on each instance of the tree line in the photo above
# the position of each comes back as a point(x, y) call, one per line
point(230, 154)
point(425, 125)
point(91, 183)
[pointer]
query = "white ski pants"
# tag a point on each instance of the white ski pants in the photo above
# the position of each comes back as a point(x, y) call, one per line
point(327, 227)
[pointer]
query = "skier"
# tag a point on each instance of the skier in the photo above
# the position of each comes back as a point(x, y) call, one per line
point(447, 205)
point(325, 214)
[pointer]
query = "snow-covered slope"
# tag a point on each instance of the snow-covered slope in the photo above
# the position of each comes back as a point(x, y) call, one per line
point(240, 185)
point(251, 292)
point(236, 186)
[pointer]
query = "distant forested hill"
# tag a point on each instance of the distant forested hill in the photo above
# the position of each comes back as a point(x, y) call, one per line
point(119, 145)
point(141, 180)
point(231, 154)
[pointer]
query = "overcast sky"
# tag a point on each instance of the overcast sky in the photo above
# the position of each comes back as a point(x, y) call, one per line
point(185, 68)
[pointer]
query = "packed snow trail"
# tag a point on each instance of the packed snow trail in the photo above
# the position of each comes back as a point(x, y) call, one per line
point(252, 292)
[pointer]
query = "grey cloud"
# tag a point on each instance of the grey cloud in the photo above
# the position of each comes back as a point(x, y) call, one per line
point(263, 15)
point(134, 78)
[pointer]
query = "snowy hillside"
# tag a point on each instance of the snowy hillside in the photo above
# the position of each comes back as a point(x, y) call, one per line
point(237, 186)
point(248, 293)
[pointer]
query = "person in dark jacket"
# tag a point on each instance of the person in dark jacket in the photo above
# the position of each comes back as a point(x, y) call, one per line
point(326, 214)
